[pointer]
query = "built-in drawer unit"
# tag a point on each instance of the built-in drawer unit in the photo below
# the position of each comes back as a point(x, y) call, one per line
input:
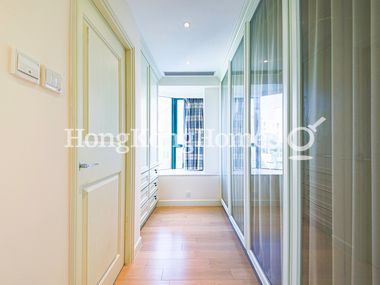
point(149, 194)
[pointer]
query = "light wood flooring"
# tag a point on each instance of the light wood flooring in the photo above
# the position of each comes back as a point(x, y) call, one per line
point(189, 246)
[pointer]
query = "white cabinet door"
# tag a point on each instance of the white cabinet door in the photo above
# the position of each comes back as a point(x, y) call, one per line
point(144, 116)
point(153, 120)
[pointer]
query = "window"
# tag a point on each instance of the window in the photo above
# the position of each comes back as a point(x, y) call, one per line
point(181, 133)
point(178, 137)
point(164, 132)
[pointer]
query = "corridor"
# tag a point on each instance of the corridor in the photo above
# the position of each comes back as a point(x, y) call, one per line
point(177, 142)
point(189, 246)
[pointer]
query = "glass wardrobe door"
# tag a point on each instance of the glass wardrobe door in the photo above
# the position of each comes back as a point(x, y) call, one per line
point(341, 180)
point(237, 150)
point(224, 126)
point(267, 137)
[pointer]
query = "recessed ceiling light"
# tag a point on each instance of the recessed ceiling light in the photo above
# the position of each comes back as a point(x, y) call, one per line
point(186, 25)
point(188, 62)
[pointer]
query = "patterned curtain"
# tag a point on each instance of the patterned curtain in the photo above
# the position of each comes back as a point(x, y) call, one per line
point(194, 134)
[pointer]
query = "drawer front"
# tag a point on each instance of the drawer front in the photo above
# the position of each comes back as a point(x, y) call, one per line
point(153, 187)
point(144, 216)
point(144, 196)
point(153, 202)
point(153, 174)
point(144, 180)
point(144, 213)
point(156, 195)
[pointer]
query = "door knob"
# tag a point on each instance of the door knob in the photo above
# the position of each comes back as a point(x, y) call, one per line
point(88, 165)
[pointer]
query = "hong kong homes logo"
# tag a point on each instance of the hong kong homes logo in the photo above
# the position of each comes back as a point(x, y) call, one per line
point(293, 140)
point(78, 138)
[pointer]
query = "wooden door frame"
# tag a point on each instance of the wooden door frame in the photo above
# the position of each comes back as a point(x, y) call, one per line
point(107, 13)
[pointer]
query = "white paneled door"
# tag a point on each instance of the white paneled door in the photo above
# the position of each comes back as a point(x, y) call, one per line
point(100, 197)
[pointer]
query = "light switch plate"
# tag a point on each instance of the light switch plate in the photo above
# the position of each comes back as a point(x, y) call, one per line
point(25, 67)
point(51, 80)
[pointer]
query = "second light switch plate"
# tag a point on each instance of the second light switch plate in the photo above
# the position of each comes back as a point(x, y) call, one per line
point(51, 80)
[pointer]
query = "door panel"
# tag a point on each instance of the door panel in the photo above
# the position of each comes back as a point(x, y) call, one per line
point(101, 187)
point(237, 149)
point(267, 124)
point(225, 130)
point(103, 92)
point(102, 220)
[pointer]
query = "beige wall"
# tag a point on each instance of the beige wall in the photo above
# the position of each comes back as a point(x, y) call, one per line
point(34, 195)
point(33, 163)
point(189, 190)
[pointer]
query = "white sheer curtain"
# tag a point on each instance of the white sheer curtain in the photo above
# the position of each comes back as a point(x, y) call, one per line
point(341, 74)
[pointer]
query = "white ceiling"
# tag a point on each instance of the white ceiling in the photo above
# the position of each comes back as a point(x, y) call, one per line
point(204, 45)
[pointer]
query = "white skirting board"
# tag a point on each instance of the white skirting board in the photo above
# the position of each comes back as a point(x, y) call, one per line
point(189, 203)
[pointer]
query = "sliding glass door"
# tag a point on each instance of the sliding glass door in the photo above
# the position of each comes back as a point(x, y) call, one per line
point(266, 157)
point(317, 184)
point(314, 217)
point(237, 143)
point(225, 99)
point(341, 178)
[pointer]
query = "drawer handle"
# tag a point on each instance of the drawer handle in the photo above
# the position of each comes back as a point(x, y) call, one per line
point(156, 171)
point(155, 197)
point(155, 183)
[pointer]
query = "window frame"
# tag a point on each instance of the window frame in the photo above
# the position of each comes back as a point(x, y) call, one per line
point(175, 144)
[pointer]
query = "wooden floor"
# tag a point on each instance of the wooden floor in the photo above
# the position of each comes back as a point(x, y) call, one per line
point(189, 246)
